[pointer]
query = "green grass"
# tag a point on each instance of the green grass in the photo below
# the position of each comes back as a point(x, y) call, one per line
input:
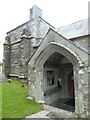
point(0, 101)
point(0, 94)
point(15, 103)
point(0, 70)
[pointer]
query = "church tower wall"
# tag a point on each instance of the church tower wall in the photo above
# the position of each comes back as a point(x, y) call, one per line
point(24, 41)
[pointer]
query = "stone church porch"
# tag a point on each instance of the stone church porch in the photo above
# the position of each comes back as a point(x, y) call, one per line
point(52, 63)
point(55, 61)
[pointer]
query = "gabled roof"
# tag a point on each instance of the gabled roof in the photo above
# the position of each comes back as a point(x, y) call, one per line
point(28, 22)
point(54, 38)
point(74, 30)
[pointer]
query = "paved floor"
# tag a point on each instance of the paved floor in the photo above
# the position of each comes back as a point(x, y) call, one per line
point(48, 114)
point(42, 114)
point(63, 103)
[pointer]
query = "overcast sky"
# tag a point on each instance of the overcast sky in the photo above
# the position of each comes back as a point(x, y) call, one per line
point(56, 12)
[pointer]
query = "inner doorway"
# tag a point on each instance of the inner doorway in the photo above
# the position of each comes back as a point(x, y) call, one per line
point(58, 71)
point(71, 85)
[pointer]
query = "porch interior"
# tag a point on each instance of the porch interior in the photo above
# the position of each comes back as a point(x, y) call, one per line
point(57, 94)
point(65, 104)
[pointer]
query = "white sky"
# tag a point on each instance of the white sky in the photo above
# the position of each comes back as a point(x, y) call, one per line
point(56, 12)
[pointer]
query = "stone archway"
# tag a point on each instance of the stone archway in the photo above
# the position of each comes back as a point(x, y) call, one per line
point(37, 73)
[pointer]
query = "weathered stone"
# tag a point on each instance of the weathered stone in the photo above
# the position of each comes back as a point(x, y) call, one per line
point(37, 51)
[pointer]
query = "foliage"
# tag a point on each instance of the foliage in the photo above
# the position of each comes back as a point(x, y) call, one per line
point(1, 63)
point(14, 101)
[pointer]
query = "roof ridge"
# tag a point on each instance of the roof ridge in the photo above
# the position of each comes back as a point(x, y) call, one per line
point(72, 23)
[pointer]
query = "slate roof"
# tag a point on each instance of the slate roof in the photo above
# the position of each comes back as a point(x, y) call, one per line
point(74, 30)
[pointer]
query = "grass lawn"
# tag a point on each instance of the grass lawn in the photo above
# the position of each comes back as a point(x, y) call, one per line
point(0, 70)
point(0, 94)
point(14, 101)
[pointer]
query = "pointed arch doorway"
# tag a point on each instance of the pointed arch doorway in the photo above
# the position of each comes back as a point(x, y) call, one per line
point(38, 73)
